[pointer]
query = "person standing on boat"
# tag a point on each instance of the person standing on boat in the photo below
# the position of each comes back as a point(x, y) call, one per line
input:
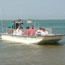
point(19, 30)
point(10, 28)
point(27, 32)
point(14, 25)
point(32, 31)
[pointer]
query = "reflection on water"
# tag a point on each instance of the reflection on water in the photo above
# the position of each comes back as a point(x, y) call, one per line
point(22, 54)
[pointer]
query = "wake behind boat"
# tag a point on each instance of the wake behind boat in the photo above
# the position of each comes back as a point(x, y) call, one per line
point(49, 38)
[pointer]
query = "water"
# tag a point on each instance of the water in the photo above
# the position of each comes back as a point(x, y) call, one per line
point(22, 54)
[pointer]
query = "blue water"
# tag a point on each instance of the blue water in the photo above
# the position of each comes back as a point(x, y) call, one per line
point(21, 54)
point(36, 23)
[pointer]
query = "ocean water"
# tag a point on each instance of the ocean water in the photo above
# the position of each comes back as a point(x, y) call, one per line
point(21, 54)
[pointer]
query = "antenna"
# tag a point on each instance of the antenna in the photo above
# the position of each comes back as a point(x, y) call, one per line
point(38, 23)
point(1, 20)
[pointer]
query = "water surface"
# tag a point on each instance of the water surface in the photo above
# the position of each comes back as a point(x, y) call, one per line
point(22, 54)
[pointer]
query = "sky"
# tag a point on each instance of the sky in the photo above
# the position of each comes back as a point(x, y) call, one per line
point(34, 9)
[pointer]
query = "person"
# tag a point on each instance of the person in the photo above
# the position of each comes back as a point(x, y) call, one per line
point(39, 32)
point(16, 25)
point(32, 31)
point(12, 25)
point(45, 32)
point(27, 32)
point(19, 30)
point(9, 30)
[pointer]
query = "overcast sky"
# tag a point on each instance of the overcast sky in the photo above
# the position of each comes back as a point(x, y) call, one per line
point(34, 9)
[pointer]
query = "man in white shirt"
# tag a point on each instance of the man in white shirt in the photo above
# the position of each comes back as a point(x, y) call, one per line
point(41, 32)
point(19, 30)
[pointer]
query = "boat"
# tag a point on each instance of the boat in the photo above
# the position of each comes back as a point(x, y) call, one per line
point(50, 38)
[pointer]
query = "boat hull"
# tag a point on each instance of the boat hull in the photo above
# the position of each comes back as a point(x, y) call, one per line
point(34, 40)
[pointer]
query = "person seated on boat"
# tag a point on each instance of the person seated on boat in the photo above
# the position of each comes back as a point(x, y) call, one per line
point(9, 30)
point(27, 32)
point(19, 30)
point(44, 32)
point(39, 32)
point(32, 31)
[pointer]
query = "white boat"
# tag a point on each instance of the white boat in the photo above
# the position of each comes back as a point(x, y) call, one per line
point(51, 38)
